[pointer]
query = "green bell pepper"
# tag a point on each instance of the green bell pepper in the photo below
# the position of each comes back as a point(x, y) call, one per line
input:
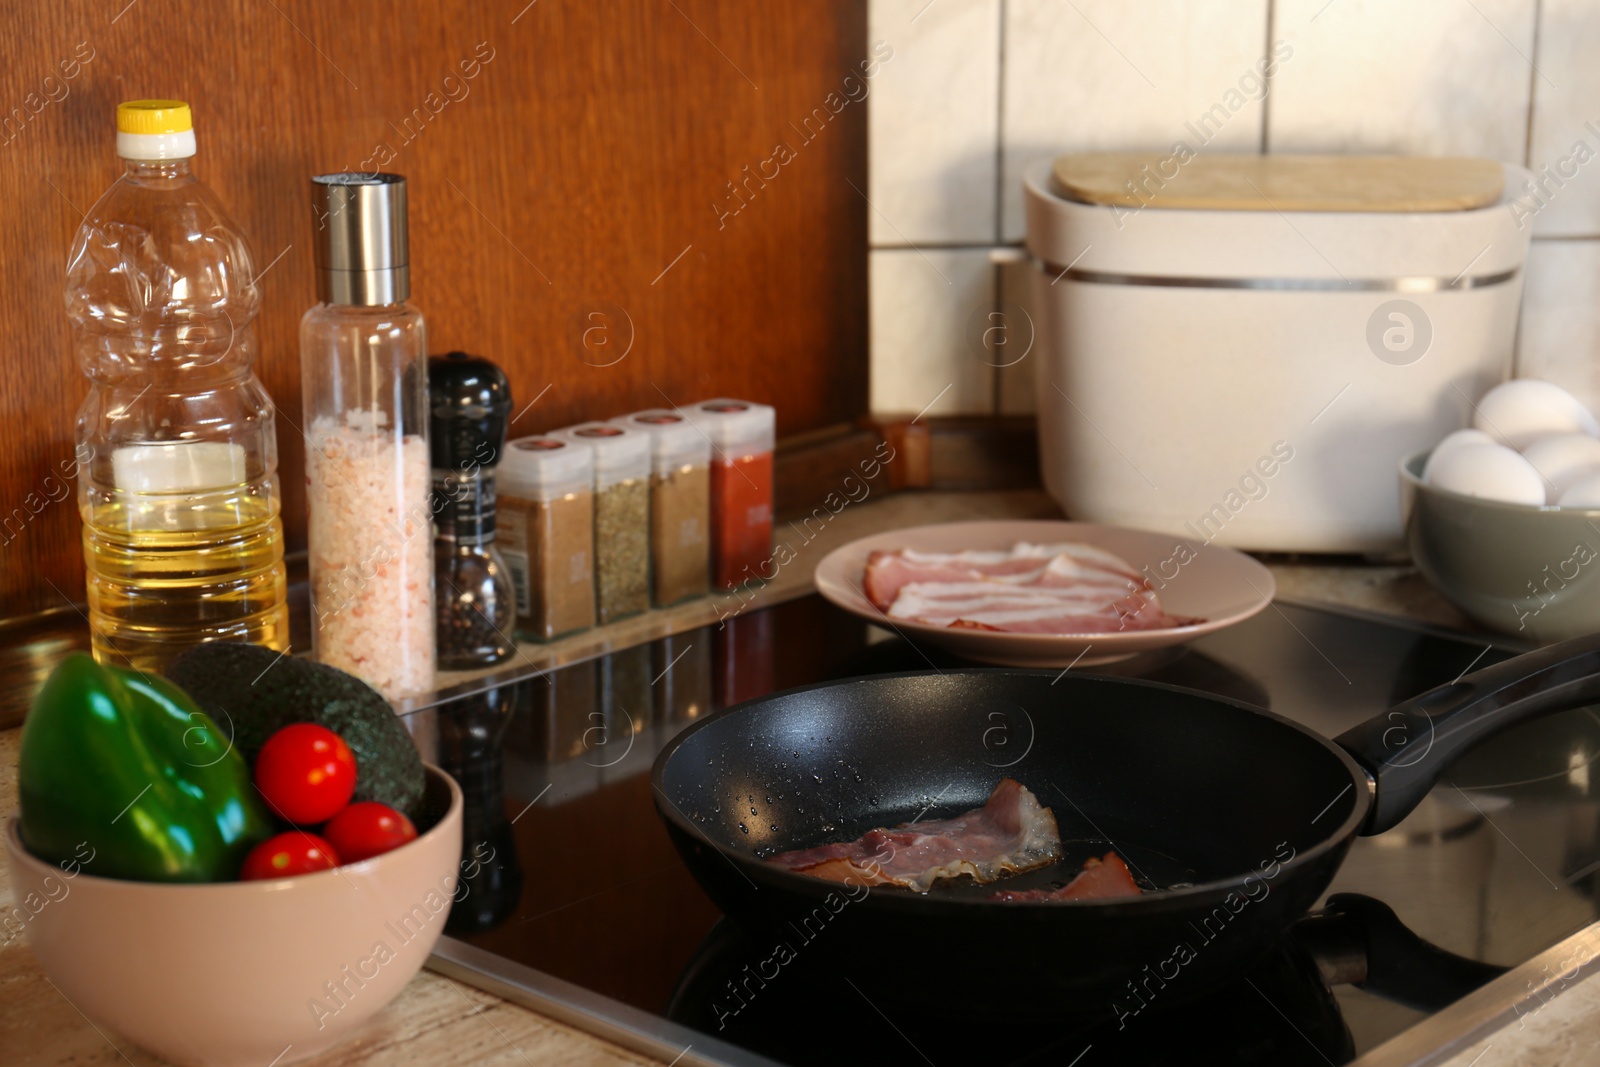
point(127, 763)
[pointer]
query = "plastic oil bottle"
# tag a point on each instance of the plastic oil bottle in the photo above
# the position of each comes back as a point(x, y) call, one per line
point(177, 481)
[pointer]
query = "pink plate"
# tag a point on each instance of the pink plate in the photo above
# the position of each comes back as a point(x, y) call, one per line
point(1218, 585)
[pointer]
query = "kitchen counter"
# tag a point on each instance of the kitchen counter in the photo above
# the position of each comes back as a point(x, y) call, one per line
point(439, 1020)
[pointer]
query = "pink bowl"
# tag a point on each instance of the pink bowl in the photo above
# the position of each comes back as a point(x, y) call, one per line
point(242, 973)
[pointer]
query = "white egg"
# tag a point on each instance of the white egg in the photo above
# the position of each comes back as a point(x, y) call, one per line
point(1494, 472)
point(1564, 459)
point(1520, 411)
point(1582, 494)
point(1451, 442)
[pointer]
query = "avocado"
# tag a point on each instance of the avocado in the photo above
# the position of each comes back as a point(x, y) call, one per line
point(260, 690)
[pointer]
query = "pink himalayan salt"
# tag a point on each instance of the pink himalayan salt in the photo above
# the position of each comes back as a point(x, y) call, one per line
point(371, 554)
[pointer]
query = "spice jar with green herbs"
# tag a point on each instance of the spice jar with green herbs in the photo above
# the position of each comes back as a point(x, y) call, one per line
point(469, 399)
point(680, 505)
point(546, 517)
point(621, 516)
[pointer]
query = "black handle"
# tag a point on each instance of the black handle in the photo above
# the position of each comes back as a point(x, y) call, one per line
point(1360, 941)
point(1408, 747)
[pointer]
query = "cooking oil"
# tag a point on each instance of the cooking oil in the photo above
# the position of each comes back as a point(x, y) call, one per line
point(164, 575)
point(177, 481)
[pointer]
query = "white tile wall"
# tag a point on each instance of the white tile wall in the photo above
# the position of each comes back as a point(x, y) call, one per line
point(1109, 75)
point(980, 86)
point(927, 313)
point(1014, 381)
point(1559, 336)
point(931, 121)
point(1566, 121)
point(1423, 77)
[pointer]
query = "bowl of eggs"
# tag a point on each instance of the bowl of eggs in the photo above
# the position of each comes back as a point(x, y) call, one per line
point(1504, 518)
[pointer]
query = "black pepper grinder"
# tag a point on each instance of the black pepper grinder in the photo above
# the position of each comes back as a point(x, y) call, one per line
point(470, 400)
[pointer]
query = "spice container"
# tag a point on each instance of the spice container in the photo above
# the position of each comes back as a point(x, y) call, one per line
point(621, 516)
point(741, 435)
point(680, 505)
point(546, 519)
point(363, 365)
point(470, 399)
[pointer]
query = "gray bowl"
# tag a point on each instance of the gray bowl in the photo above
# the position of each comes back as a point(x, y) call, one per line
point(1532, 571)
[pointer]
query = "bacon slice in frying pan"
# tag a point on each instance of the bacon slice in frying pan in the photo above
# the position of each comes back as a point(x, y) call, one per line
point(1101, 879)
point(1012, 832)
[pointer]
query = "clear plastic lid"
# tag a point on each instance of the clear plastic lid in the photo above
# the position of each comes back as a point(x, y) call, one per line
point(736, 427)
point(543, 468)
point(675, 441)
point(620, 452)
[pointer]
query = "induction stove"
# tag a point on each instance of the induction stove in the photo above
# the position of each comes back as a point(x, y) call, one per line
point(577, 905)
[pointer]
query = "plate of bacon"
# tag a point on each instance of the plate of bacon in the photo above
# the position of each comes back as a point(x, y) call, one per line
point(1043, 593)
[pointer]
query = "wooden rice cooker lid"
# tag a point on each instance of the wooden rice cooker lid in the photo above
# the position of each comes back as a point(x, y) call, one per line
point(1222, 182)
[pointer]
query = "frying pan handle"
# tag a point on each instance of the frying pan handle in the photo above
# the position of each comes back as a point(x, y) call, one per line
point(1407, 748)
point(1361, 941)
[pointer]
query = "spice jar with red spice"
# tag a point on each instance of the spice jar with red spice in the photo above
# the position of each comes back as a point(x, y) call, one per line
point(741, 435)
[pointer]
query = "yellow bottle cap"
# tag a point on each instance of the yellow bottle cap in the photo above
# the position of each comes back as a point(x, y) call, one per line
point(154, 116)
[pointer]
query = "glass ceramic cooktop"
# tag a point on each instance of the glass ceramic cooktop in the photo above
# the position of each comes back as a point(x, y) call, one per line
point(570, 873)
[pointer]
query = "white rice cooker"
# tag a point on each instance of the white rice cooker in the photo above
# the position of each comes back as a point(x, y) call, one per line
point(1241, 349)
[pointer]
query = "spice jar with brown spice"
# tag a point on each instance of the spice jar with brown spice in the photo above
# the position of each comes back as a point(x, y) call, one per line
point(621, 516)
point(546, 517)
point(680, 505)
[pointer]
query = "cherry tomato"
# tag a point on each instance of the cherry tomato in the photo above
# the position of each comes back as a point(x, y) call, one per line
point(368, 829)
point(306, 773)
point(295, 852)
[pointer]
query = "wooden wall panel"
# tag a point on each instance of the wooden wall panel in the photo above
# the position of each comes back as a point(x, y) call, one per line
point(584, 168)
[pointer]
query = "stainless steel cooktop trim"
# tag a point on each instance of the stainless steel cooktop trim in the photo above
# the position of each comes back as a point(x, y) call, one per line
point(632, 1028)
point(1445, 1034)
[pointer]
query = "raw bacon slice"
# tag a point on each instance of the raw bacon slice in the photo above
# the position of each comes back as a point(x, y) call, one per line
point(1101, 879)
point(887, 572)
point(1045, 589)
point(1032, 609)
point(1075, 567)
point(1011, 832)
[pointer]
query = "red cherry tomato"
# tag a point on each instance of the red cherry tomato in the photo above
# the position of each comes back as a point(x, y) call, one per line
point(306, 773)
point(295, 852)
point(368, 829)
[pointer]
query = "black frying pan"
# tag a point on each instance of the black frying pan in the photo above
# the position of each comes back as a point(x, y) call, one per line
point(1235, 819)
